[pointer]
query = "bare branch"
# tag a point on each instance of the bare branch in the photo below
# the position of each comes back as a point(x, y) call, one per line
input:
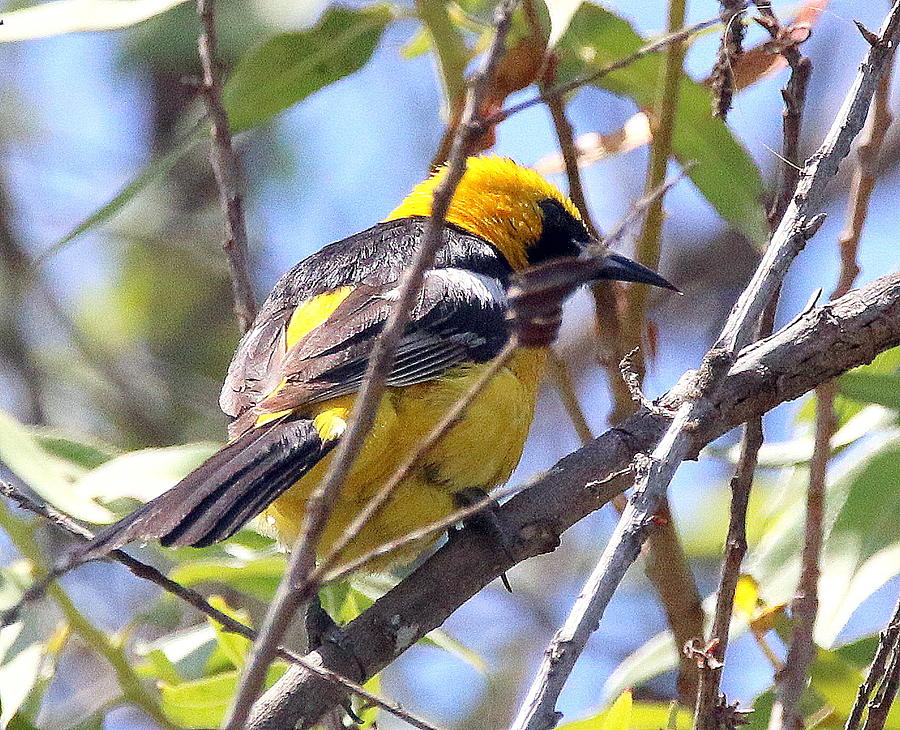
point(226, 168)
point(730, 48)
point(864, 176)
point(800, 222)
point(880, 677)
point(708, 698)
point(815, 347)
point(295, 587)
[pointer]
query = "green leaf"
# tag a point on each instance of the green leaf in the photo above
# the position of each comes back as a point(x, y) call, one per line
point(203, 703)
point(881, 388)
point(625, 714)
point(51, 477)
point(78, 16)
point(155, 170)
point(159, 666)
point(146, 473)
point(234, 646)
point(725, 173)
point(861, 549)
point(257, 577)
point(81, 453)
point(291, 66)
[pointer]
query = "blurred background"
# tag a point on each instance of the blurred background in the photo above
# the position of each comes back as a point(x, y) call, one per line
point(116, 342)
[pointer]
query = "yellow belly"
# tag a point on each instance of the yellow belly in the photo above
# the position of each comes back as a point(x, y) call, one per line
point(480, 451)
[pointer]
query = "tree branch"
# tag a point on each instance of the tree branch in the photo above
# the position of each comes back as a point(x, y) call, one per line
point(226, 169)
point(814, 348)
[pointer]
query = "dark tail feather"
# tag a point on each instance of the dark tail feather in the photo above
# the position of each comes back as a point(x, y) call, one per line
point(216, 499)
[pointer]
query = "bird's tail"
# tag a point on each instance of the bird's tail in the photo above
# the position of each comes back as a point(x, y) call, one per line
point(216, 499)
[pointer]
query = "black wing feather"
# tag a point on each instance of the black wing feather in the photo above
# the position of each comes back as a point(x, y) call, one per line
point(218, 497)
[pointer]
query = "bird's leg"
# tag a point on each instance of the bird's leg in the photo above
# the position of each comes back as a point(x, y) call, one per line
point(485, 522)
point(322, 628)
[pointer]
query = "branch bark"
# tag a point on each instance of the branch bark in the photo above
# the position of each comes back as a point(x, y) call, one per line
point(226, 169)
point(816, 347)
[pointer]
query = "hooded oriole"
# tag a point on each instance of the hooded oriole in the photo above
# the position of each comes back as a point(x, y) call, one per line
point(291, 384)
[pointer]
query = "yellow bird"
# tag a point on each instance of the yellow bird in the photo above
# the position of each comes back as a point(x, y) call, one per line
point(291, 384)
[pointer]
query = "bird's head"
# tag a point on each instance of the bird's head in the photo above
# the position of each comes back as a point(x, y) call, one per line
point(526, 218)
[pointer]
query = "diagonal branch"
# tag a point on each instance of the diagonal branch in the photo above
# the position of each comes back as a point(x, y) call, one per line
point(812, 349)
point(800, 222)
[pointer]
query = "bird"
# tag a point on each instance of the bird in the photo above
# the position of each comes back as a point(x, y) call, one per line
point(292, 382)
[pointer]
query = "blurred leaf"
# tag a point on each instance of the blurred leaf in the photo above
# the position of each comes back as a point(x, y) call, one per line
point(846, 408)
point(78, 16)
point(80, 453)
point(881, 388)
point(155, 170)
point(746, 596)
point(159, 666)
point(234, 646)
point(725, 174)
point(186, 650)
point(51, 477)
point(258, 577)
point(203, 703)
point(860, 550)
point(625, 714)
point(368, 713)
point(17, 722)
point(864, 422)
point(291, 66)
point(146, 473)
point(17, 677)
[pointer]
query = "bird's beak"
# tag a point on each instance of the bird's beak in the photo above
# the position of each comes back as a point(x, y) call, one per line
point(614, 266)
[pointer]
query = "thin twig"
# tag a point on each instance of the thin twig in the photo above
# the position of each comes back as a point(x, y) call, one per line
point(799, 223)
point(294, 586)
point(888, 643)
point(420, 534)
point(791, 680)
point(815, 347)
point(708, 698)
point(864, 177)
point(647, 248)
point(710, 704)
point(227, 171)
point(65, 523)
point(133, 688)
point(730, 48)
point(794, 95)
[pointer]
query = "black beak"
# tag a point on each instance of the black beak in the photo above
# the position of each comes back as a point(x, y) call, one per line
point(620, 268)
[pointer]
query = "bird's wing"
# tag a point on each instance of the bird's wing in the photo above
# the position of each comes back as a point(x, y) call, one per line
point(373, 258)
point(458, 318)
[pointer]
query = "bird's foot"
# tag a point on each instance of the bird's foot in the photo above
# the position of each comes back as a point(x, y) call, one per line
point(485, 522)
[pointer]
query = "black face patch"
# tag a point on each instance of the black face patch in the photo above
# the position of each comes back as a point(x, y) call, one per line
point(560, 236)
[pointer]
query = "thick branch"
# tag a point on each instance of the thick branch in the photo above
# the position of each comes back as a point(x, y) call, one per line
point(816, 347)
